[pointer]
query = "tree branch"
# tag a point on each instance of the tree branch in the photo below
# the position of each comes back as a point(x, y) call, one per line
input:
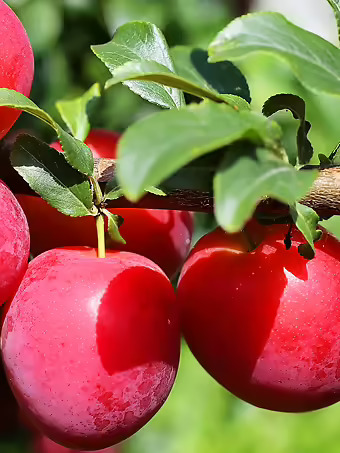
point(324, 196)
point(241, 7)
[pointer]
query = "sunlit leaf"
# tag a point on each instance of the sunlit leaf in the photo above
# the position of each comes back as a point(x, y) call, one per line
point(314, 61)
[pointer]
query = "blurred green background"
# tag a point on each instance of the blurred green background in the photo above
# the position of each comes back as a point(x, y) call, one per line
point(199, 416)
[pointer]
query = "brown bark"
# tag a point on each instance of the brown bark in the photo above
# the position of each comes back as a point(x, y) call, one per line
point(241, 7)
point(324, 196)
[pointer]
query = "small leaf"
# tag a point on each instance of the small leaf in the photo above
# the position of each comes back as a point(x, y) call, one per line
point(246, 177)
point(112, 190)
point(75, 112)
point(335, 155)
point(298, 108)
point(113, 227)
point(324, 160)
point(314, 61)
point(235, 101)
point(155, 191)
point(137, 41)
point(335, 4)
point(77, 153)
point(114, 194)
point(157, 146)
point(306, 220)
point(47, 173)
point(223, 77)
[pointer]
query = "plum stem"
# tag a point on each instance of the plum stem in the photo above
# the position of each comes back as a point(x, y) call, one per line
point(100, 224)
point(98, 195)
point(250, 240)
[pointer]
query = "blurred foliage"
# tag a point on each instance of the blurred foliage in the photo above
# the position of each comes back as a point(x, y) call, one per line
point(199, 415)
point(61, 32)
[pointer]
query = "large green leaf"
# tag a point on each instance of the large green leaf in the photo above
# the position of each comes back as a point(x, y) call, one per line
point(315, 61)
point(47, 172)
point(137, 41)
point(155, 72)
point(76, 153)
point(155, 147)
point(220, 82)
point(335, 4)
point(223, 77)
point(244, 178)
point(74, 112)
point(13, 99)
point(298, 108)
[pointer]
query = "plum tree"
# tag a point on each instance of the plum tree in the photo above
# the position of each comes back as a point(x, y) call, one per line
point(14, 243)
point(90, 345)
point(264, 322)
point(16, 62)
point(164, 236)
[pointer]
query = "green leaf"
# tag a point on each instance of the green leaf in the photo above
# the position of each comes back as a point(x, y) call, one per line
point(137, 41)
point(13, 99)
point(247, 177)
point(335, 4)
point(236, 101)
point(306, 220)
point(77, 153)
point(298, 108)
point(155, 72)
point(155, 191)
point(314, 61)
point(112, 190)
point(157, 146)
point(223, 78)
point(113, 227)
point(324, 160)
point(75, 112)
point(335, 155)
point(47, 173)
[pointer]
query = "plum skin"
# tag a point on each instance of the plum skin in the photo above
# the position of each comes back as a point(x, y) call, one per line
point(91, 346)
point(45, 445)
point(265, 324)
point(16, 62)
point(14, 243)
point(164, 236)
